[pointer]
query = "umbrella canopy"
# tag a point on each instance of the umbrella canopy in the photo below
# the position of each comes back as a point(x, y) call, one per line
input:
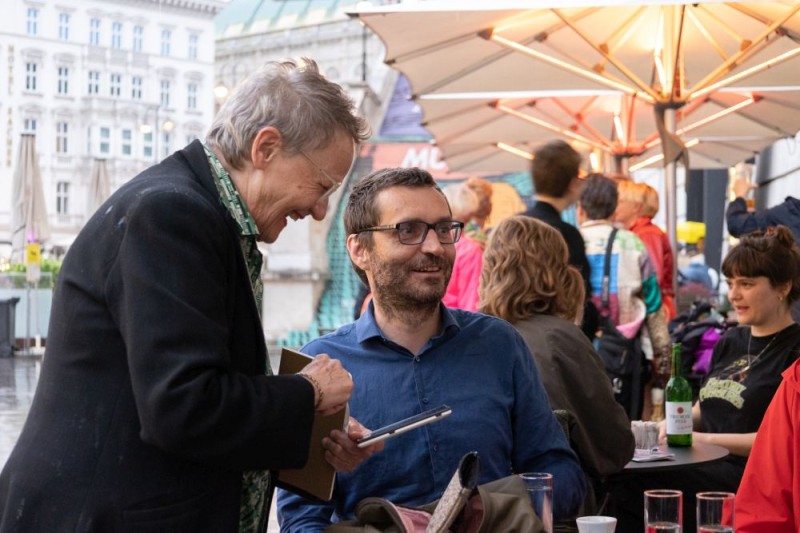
point(99, 185)
point(699, 58)
point(732, 70)
point(28, 211)
point(610, 125)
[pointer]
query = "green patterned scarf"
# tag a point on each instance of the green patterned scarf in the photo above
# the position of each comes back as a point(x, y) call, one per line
point(256, 484)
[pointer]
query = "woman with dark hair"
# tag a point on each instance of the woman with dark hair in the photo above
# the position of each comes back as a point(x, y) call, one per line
point(763, 275)
point(528, 281)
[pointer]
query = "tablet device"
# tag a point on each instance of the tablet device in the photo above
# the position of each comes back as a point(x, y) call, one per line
point(404, 425)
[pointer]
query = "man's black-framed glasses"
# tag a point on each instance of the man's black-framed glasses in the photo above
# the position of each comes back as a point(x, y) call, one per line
point(415, 231)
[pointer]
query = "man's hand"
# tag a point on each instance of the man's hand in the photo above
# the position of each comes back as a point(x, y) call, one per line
point(742, 186)
point(341, 450)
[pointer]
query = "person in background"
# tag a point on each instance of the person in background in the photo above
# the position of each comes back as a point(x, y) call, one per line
point(768, 498)
point(409, 353)
point(636, 206)
point(528, 281)
point(740, 220)
point(155, 408)
point(696, 280)
point(763, 274)
point(557, 185)
point(462, 291)
point(634, 297)
point(475, 228)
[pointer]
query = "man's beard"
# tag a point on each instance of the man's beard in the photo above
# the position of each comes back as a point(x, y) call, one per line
point(397, 294)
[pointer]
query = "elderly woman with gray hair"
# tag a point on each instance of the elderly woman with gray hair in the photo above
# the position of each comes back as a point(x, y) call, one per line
point(155, 409)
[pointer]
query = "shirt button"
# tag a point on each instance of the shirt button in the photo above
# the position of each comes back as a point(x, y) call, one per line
point(436, 447)
point(425, 400)
point(416, 359)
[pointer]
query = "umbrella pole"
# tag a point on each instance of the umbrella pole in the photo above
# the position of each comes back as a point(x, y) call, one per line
point(27, 343)
point(671, 177)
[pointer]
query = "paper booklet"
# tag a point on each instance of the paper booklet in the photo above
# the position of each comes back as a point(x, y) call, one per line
point(317, 477)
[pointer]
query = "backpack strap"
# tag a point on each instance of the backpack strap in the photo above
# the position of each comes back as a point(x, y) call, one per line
point(607, 272)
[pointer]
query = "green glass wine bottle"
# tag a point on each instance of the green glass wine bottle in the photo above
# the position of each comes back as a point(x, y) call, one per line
point(678, 404)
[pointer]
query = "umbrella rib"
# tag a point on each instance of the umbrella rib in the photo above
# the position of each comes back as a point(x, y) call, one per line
point(744, 74)
point(704, 31)
point(546, 125)
point(463, 72)
point(452, 114)
point(734, 61)
point(429, 48)
point(604, 80)
point(604, 52)
point(578, 118)
point(470, 128)
point(760, 18)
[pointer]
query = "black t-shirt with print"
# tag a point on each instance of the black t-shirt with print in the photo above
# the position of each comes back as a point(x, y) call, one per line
point(738, 389)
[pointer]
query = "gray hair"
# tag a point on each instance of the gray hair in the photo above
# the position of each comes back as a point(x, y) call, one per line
point(599, 197)
point(293, 97)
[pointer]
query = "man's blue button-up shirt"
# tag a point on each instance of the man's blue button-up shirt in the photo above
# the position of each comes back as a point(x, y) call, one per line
point(479, 366)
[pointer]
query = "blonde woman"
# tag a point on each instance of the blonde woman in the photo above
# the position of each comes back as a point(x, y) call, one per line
point(636, 206)
point(527, 280)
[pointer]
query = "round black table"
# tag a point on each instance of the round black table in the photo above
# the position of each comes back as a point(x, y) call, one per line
point(684, 458)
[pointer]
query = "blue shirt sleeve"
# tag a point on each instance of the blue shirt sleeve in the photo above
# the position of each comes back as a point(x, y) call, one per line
point(297, 514)
point(540, 444)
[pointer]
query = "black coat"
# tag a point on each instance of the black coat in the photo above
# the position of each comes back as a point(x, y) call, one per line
point(152, 397)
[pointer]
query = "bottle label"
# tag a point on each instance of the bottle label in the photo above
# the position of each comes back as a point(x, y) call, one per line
point(679, 418)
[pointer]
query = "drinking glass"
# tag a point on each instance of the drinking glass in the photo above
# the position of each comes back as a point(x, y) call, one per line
point(715, 512)
point(663, 511)
point(540, 491)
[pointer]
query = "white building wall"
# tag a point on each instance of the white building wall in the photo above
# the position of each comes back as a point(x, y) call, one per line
point(111, 121)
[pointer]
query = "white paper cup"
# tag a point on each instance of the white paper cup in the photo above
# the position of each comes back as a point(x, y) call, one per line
point(596, 524)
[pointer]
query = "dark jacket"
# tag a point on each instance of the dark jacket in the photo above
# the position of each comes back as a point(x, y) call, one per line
point(152, 396)
point(576, 381)
point(577, 257)
point(786, 213)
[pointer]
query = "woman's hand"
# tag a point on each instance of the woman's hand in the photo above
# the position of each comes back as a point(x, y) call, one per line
point(341, 450)
point(662, 432)
point(333, 385)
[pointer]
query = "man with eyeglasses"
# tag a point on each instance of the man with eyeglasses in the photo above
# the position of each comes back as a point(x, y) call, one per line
point(409, 353)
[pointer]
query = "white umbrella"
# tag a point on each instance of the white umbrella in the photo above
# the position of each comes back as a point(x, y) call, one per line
point(99, 185)
point(28, 212)
point(673, 56)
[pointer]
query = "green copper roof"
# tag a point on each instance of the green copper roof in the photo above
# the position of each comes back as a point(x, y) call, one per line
point(241, 17)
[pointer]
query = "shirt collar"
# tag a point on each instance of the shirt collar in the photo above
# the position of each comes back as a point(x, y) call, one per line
point(229, 196)
point(367, 328)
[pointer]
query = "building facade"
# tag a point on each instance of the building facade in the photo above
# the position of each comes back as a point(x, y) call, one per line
point(125, 81)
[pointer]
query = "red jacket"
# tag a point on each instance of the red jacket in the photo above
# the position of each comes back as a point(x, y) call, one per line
point(660, 252)
point(769, 495)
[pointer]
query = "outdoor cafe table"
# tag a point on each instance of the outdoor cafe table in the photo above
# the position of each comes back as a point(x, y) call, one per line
point(685, 457)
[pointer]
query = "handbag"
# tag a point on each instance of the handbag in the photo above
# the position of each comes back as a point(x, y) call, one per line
point(622, 356)
point(465, 507)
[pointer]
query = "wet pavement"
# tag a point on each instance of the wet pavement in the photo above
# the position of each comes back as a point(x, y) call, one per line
point(18, 378)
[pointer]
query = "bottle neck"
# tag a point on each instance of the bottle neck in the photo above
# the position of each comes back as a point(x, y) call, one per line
point(676, 362)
